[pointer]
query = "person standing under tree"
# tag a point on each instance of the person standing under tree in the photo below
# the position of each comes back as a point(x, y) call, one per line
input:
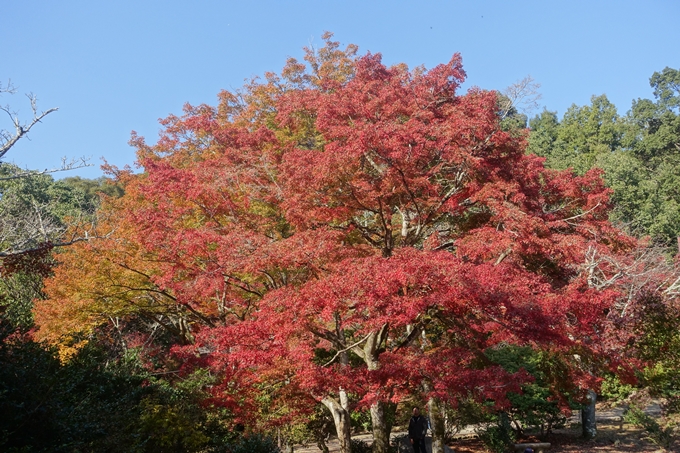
point(417, 429)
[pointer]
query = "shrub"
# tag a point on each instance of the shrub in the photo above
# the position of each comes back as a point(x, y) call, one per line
point(255, 443)
point(359, 446)
point(613, 389)
point(497, 436)
point(661, 436)
point(361, 420)
point(537, 406)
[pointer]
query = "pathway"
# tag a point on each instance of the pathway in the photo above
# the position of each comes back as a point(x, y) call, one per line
point(607, 416)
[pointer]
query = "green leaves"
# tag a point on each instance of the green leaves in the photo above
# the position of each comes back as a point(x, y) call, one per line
point(538, 405)
point(37, 212)
point(638, 152)
point(94, 404)
point(580, 138)
point(666, 86)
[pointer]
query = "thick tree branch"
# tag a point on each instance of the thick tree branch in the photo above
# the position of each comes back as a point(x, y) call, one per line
point(337, 354)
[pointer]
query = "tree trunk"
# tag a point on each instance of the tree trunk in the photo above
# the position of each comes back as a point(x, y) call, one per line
point(321, 443)
point(340, 413)
point(437, 424)
point(370, 353)
point(588, 417)
point(381, 429)
point(284, 445)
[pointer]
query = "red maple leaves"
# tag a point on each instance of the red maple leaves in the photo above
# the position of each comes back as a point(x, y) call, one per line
point(368, 232)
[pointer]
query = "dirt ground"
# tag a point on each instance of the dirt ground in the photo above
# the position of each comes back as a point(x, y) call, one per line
point(610, 438)
point(613, 436)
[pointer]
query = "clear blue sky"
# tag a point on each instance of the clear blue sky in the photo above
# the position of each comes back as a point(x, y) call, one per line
point(116, 66)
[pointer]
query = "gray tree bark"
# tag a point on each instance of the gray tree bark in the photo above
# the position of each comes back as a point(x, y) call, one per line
point(588, 416)
point(370, 353)
point(340, 412)
point(381, 431)
point(437, 424)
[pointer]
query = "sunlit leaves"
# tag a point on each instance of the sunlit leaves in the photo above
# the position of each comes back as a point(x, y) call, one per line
point(347, 225)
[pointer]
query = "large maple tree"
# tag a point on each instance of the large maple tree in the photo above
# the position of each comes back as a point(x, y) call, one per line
point(360, 232)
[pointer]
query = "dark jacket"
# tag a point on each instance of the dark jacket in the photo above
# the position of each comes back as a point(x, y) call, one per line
point(417, 427)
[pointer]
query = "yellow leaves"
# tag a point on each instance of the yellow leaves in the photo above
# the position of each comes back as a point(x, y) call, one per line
point(170, 426)
point(331, 63)
point(67, 350)
point(102, 279)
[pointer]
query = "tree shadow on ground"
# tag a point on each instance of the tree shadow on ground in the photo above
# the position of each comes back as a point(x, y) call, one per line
point(611, 438)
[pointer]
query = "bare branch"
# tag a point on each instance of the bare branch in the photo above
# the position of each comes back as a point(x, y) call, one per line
point(66, 165)
point(9, 88)
point(579, 215)
point(9, 139)
point(30, 226)
point(16, 252)
point(30, 223)
point(522, 95)
point(646, 266)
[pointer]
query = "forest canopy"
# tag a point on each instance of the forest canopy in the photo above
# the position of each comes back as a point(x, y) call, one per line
point(345, 237)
